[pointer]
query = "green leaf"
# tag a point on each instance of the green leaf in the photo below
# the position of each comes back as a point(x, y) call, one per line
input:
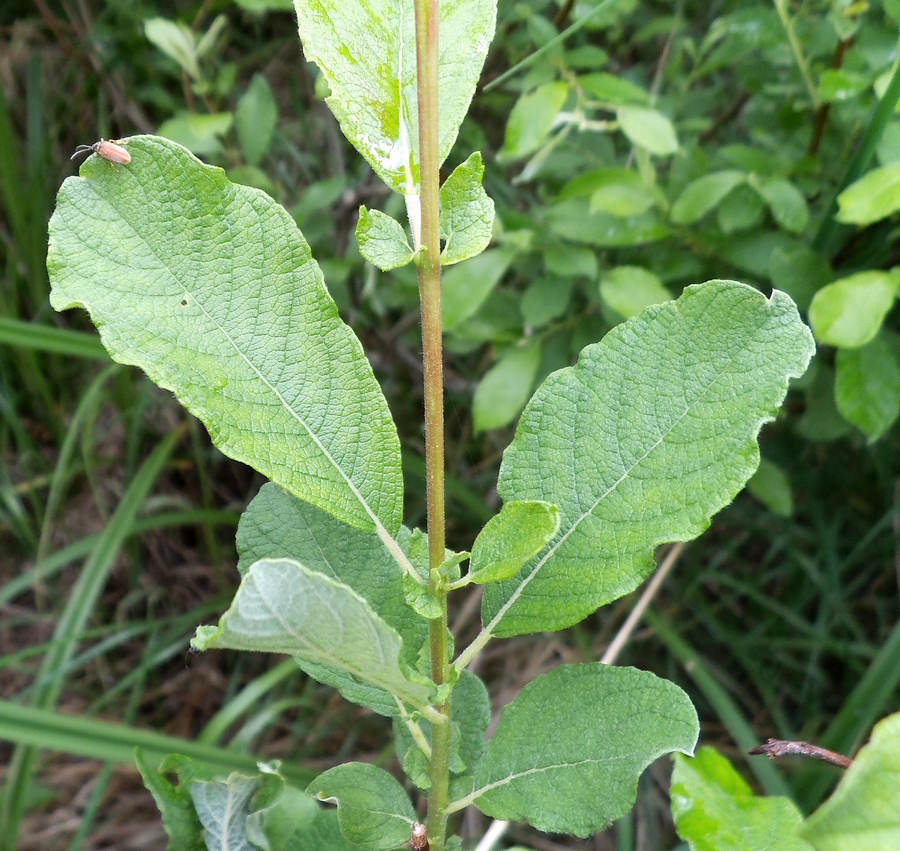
point(623, 194)
point(470, 714)
point(572, 219)
point(569, 750)
point(173, 800)
point(176, 41)
point(367, 54)
point(374, 812)
point(282, 606)
point(786, 202)
point(505, 388)
point(278, 525)
point(867, 387)
point(531, 120)
point(324, 834)
point(465, 288)
point(570, 261)
point(876, 195)
point(382, 240)
point(652, 432)
point(838, 84)
point(546, 299)
point(255, 118)
point(200, 134)
point(704, 194)
point(715, 809)
point(223, 807)
point(772, 488)
point(243, 331)
point(863, 812)
point(629, 289)
point(648, 129)
point(612, 90)
point(519, 532)
point(740, 210)
point(467, 214)
point(849, 312)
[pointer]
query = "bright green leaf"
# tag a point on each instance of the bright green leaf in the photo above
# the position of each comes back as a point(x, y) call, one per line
point(367, 54)
point(876, 195)
point(176, 41)
point(629, 289)
point(200, 134)
point(648, 129)
point(467, 214)
point(772, 488)
point(838, 84)
point(867, 387)
point(278, 525)
point(531, 120)
point(863, 813)
point(505, 388)
point(715, 809)
point(572, 219)
point(519, 532)
point(786, 202)
point(623, 200)
point(704, 194)
point(636, 451)
point(849, 312)
point(465, 288)
point(569, 750)
point(261, 6)
point(283, 607)
point(307, 413)
point(382, 240)
point(374, 812)
point(255, 118)
point(613, 91)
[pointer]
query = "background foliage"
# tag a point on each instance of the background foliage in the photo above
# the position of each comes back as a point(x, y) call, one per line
point(657, 145)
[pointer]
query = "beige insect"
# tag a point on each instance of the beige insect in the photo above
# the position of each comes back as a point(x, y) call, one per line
point(111, 151)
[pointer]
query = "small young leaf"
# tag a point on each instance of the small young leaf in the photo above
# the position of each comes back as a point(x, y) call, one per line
point(648, 129)
point(867, 387)
point(715, 809)
point(465, 288)
point(382, 240)
point(367, 54)
point(771, 487)
point(531, 120)
point(629, 289)
point(173, 800)
point(636, 450)
point(176, 41)
point(278, 525)
point(570, 748)
point(876, 195)
point(863, 812)
point(255, 118)
point(848, 313)
point(333, 633)
point(467, 214)
point(470, 714)
point(374, 812)
point(613, 90)
point(787, 203)
point(505, 388)
point(308, 412)
point(223, 807)
point(704, 194)
point(519, 532)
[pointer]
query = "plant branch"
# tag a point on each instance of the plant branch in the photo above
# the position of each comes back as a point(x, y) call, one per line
point(788, 25)
point(429, 275)
point(778, 747)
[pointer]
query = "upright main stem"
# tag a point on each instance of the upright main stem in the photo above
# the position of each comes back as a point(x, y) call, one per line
point(429, 274)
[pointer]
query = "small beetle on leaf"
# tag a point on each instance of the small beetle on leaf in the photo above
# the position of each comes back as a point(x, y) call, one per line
point(106, 149)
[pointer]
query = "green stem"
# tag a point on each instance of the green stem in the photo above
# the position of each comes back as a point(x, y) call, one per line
point(788, 24)
point(429, 274)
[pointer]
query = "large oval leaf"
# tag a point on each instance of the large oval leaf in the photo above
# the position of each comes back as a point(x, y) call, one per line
point(651, 433)
point(210, 289)
point(570, 748)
